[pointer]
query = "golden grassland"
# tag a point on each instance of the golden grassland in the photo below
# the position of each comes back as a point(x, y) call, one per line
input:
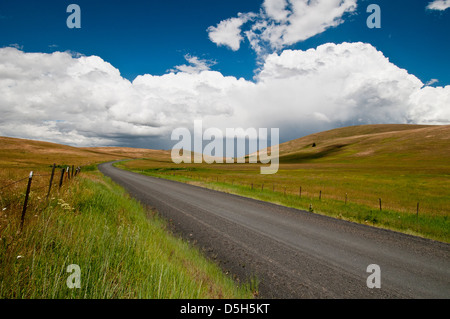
point(92, 222)
point(123, 249)
point(344, 175)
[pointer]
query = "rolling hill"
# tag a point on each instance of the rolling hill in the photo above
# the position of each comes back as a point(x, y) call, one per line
point(393, 176)
point(373, 144)
point(402, 165)
point(27, 154)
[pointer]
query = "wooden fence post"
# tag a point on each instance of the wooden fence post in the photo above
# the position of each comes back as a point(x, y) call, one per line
point(24, 210)
point(300, 192)
point(346, 195)
point(320, 195)
point(62, 178)
point(51, 180)
point(417, 215)
point(72, 169)
point(380, 204)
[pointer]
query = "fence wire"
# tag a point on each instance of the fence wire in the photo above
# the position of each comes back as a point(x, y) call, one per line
point(13, 183)
point(37, 187)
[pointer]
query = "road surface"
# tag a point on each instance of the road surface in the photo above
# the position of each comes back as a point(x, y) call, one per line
point(294, 254)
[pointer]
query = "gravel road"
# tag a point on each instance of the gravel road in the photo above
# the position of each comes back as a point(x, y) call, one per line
point(294, 254)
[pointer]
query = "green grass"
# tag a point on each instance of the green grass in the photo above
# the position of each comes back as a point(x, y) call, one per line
point(123, 250)
point(400, 189)
point(404, 165)
point(426, 224)
point(126, 251)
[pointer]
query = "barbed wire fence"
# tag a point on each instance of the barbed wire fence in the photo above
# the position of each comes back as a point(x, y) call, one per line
point(68, 172)
point(288, 190)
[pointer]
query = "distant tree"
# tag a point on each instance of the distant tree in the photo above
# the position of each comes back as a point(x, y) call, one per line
point(314, 145)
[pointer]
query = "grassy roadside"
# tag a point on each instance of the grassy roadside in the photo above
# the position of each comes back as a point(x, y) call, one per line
point(284, 190)
point(123, 250)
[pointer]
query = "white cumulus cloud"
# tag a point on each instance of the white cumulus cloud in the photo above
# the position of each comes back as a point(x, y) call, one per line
point(439, 5)
point(196, 65)
point(228, 32)
point(84, 101)
point(281, 23)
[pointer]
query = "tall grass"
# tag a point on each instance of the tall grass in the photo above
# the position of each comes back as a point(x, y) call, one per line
point(123, 250)
point(399, 193)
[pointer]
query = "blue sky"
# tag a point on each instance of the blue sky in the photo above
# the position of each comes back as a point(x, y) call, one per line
point(140, 37)
point(137, 37)
point(136, 70)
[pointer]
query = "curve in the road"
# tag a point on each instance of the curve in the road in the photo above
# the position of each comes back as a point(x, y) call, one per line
point(294, 253)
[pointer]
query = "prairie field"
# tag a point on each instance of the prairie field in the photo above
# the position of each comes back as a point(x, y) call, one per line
point(124, 250)
point(388, 176)
point(347, 174)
